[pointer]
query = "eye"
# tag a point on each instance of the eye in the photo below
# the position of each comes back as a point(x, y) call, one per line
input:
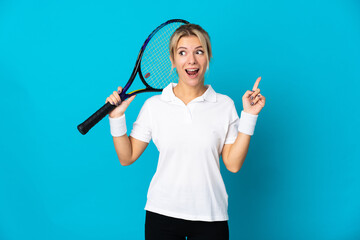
point(182, 53)
point(200, 52)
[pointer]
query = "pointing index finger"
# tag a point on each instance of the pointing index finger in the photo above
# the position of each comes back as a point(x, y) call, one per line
point(256, 85)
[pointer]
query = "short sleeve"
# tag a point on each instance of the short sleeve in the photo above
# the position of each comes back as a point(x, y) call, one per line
point(142, 126)
point(233, 125)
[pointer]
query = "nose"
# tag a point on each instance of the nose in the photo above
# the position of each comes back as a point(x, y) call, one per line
point(191, 59)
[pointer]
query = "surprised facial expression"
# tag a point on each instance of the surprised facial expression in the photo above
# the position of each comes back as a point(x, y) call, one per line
point(190, 61)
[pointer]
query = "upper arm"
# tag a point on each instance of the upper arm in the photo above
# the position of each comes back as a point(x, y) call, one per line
point(225, 153)
point(141, 132)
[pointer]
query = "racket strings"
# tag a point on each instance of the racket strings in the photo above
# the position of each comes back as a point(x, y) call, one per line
point(155, 63)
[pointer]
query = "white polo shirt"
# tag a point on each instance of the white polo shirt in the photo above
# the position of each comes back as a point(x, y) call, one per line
point(187, 183)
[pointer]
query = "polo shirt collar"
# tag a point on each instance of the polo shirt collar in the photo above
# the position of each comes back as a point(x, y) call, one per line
point(169, 96)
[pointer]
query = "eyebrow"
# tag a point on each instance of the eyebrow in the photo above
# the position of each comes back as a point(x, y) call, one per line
point(186, 48)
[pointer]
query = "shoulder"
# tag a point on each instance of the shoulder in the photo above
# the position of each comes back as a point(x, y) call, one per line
point(227, 106)
point(224, 99)
point(154, 100)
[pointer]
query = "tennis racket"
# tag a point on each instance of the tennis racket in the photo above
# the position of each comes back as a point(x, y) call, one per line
point(153, 67)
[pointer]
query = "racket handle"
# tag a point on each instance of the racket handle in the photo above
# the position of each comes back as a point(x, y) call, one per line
point(95, 118)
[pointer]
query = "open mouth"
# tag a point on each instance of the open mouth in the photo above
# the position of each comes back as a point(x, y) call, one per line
point(192, 72)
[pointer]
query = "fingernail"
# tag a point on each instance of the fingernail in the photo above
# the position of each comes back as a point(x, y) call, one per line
point(252, 103)
point(258, 95)
point(251, 97)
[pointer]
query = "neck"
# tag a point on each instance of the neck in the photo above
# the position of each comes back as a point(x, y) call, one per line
point(187, 93)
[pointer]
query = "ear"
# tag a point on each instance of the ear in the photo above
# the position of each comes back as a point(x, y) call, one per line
point(172, 63)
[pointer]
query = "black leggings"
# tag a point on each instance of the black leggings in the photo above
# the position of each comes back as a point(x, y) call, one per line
point(162, 227)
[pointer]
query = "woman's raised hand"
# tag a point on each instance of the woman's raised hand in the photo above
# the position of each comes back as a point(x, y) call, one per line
point(114, 99)
point(253, 101)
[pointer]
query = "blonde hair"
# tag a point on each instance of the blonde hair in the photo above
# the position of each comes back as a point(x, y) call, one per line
point(187, 30)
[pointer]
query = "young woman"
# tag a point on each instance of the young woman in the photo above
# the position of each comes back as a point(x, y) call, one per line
point(191, 125)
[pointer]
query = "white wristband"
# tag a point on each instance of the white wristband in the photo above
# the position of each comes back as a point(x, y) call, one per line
point(247, 123)
point(118, 126)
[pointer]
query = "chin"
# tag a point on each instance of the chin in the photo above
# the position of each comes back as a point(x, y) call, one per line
point(193, 82)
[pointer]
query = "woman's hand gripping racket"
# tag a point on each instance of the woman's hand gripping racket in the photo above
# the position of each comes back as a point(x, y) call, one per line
point(152, 65)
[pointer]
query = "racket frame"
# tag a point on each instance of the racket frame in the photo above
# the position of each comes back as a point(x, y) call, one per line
point(137, 68)
point(108, 107)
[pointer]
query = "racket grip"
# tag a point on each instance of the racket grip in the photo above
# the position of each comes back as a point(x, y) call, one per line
point(95, 118)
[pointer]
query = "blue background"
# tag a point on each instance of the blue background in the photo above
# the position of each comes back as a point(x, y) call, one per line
point(59, 60)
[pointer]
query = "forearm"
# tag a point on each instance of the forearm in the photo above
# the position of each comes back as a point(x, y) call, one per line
point(122, 143)
point(123, 148)
point(234, 154)
point(238, 152)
